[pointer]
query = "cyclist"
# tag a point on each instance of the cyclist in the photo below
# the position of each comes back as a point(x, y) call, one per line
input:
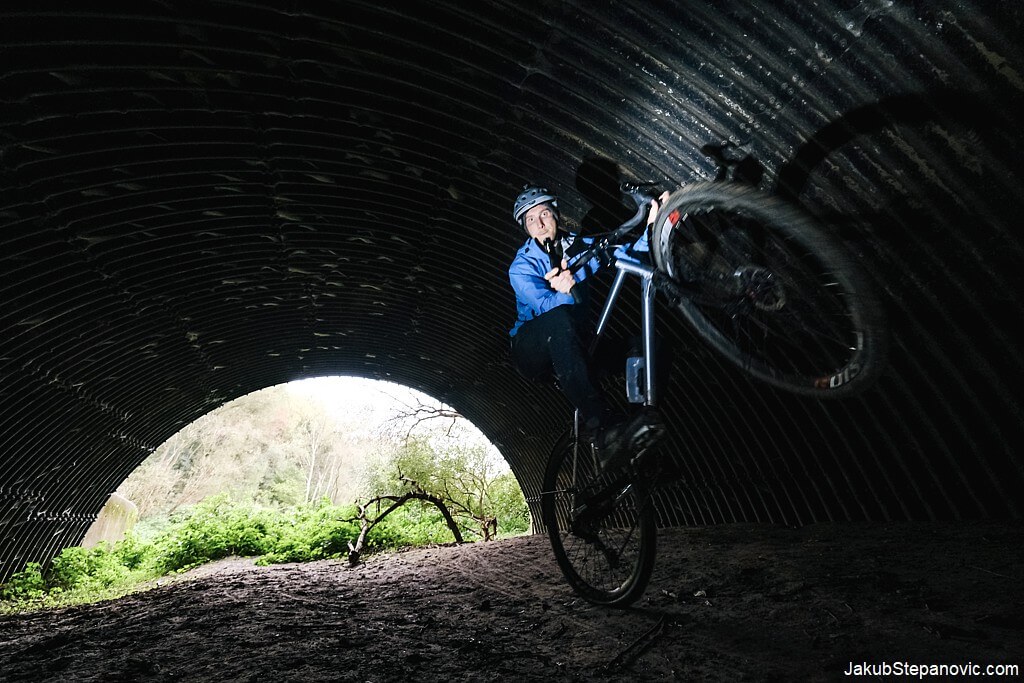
point(552, 329)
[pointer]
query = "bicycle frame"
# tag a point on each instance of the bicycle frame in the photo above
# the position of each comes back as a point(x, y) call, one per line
point(628, 265)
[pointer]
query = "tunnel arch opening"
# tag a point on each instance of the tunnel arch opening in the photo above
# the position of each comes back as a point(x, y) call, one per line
point(339, 441)
point(208, 208)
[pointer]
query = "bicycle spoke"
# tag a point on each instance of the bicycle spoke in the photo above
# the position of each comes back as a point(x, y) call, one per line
point(602, 537)
point(771, 290)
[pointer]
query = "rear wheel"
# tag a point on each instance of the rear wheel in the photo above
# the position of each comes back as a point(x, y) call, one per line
point(602, 527)
point(775, 294)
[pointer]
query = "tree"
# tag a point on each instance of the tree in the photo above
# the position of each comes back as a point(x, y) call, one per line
point(367, 522)
point(316, 435)
point(413, 415)
point(468, 479)
point(270, 445)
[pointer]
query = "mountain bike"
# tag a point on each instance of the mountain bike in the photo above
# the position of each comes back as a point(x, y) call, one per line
point(766, 287)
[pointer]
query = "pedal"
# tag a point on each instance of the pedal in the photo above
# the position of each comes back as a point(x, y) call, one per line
point(647, 436)
point(634, 379)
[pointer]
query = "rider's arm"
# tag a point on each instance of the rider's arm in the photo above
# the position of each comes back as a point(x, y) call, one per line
point(638, 249)
point(532, 290)
point(643, 246)
point(534, 293)
point(587, 269)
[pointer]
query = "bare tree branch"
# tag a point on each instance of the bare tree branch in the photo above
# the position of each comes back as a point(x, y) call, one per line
point(417, 493)
point(420, 412)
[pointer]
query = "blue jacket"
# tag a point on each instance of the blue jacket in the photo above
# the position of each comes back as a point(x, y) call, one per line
point(534, 294)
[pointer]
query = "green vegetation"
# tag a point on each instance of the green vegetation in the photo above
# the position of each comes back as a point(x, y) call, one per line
point(216, 528)
point(275, 477)
point(483, 498)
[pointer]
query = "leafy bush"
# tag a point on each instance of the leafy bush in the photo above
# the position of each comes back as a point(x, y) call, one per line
point(87, 568)
point(413, 524)
point(509, 505)
point(132, 552)
point(213, 529)
point(27, 585)
point(80, 575)
point(311, 532)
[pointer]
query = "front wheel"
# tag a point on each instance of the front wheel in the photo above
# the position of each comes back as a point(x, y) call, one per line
point(771, 290)
point(602, 527)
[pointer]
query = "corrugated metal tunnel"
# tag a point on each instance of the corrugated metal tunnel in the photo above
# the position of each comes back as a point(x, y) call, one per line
point(201, 200)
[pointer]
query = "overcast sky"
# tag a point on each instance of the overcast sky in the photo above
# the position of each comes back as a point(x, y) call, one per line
point(373, 402)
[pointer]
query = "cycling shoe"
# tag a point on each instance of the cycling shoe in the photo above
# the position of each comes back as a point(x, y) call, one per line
point(619, 443)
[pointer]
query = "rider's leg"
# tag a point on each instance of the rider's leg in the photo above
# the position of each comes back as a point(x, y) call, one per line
point(611, 354)
point(644, 427)
point(552, 344)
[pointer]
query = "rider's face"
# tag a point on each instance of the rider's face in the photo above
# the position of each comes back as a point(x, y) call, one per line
point(541, 222)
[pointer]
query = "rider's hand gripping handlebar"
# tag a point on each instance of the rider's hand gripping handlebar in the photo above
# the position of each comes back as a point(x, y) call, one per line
point(553, 248)
point(642, 194)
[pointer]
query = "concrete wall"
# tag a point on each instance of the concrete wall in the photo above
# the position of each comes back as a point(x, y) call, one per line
point(116, 519)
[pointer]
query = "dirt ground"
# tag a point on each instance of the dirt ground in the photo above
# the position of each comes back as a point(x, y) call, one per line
point(727, 603)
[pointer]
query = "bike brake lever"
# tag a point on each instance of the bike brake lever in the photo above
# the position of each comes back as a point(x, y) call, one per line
point(554, 252)
point(553, 248)
point(642, 193)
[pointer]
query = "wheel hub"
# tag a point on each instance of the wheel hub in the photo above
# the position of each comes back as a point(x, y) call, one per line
point(760, 287)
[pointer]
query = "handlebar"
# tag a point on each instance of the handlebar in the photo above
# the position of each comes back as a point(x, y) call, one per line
point(642, 194)
point(553, 248)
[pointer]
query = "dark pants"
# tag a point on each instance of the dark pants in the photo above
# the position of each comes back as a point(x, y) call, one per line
point(554, 344)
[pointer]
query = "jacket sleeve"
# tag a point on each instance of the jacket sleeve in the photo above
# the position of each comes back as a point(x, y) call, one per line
point(533, 291)
point(643, 244)
point(641, 248)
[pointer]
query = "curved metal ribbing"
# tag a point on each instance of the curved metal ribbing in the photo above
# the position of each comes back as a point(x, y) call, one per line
point(199, 203)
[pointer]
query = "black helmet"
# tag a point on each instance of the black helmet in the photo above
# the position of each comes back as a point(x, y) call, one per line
point(531, 196)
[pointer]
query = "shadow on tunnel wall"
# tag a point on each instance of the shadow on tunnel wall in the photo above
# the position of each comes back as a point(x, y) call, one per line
point(597, 181)
point(931, 209)
point(925, 189)
point(995, 113)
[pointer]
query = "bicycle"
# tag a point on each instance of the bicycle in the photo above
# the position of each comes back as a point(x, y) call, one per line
point(767, 288)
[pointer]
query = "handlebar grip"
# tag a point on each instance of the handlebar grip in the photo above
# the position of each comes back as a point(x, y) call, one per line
point(642, 193)
point(554, 252)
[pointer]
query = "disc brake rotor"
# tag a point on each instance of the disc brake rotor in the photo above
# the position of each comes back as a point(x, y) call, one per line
point(761, 288)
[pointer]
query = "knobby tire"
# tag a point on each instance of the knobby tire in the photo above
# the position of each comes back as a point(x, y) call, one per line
point(776, 294)
point(609, 558)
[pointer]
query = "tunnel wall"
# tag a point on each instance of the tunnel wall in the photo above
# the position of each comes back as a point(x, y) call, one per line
point(199, 200)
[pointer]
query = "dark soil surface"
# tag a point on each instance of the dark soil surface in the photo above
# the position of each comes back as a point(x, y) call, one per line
point(727, 603)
